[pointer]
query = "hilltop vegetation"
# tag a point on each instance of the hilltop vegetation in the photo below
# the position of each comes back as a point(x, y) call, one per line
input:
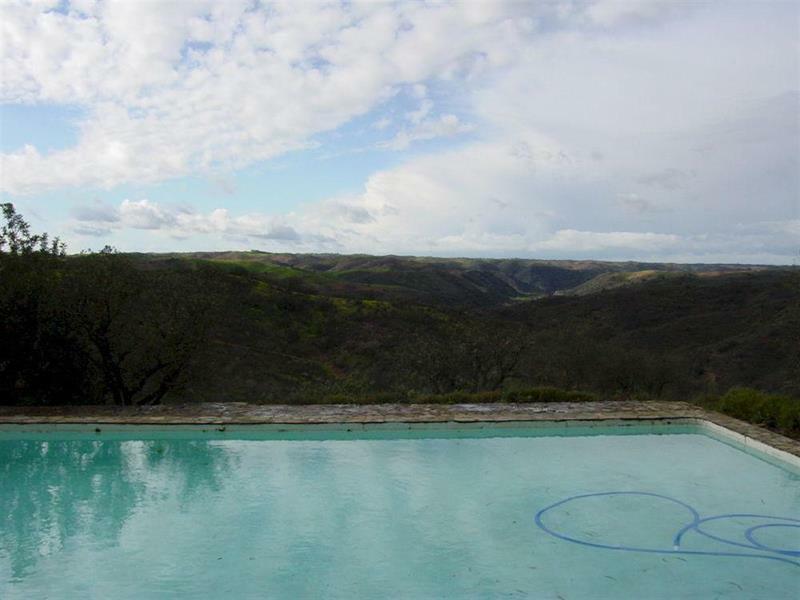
point(464, 282)
point(274, 328)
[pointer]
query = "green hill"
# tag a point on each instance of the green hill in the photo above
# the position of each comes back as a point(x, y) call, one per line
point(459, 281)
point(257, 327)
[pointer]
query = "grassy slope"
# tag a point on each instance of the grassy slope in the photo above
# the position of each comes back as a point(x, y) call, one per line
point(739, 329)
point(457, 281)
point(311, 326)
point(308, 328)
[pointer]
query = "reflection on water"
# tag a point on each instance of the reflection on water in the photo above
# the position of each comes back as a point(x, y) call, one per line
point(335, 518)
point(51, 492)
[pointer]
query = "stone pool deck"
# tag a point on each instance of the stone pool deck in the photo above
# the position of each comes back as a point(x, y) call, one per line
point(251, 414)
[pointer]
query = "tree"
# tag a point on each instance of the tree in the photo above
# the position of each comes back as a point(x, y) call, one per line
point(463, 355)
point(16, 237)
point(99, 327)
point(137, 327)
point(37, 363)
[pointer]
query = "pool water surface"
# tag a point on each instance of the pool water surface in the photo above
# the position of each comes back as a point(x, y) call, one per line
point(393, 511)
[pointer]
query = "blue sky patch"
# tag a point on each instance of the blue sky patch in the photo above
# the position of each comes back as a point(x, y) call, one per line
point(48, 127)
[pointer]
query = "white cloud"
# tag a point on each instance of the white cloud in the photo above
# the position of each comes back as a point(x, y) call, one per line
point(417, 116)
point(571, 240)
point(428, 129)
point(636, 203)
point(183, 87)
point(341, 227)
point(98, 212)
point(143, 214)
point(382, 123)
point(615, 129)
point(178, 222)
point(606, 13)
point(91, 230)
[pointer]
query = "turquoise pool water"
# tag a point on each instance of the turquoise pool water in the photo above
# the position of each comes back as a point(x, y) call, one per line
point(427, 512)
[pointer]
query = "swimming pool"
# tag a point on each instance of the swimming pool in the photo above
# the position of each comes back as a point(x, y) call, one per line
point(423, 511)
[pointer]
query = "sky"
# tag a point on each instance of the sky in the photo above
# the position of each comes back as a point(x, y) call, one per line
point(583, 129)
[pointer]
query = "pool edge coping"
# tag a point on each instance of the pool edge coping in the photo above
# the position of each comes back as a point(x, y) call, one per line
point(747, 434)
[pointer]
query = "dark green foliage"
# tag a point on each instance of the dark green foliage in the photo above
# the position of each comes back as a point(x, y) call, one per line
point(17, 239)
point(485, 397)
point(548, 395)
point(136, 328)
point(775, 411)
point(539, 394)
point(256, 327)
point(32, 339)
point(464, 352)
point(38, 362)
point(93, 328)
point(450, 282)
point(671, 337)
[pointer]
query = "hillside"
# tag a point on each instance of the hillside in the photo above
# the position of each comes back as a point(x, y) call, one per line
point(255, 327)
point(703, 332)
point(465, 282)
point(363, 325)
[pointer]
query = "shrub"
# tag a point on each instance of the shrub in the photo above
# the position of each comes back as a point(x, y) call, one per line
point(547, 394)
point(778, 412)
point(543, 394)
point(460, 398)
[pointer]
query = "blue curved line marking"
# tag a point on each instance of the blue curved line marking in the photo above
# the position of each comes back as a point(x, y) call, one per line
point(752, 546)
point(749, 535)
point(694, 524)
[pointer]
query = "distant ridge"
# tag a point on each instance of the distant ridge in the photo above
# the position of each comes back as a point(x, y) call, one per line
point(463, 281)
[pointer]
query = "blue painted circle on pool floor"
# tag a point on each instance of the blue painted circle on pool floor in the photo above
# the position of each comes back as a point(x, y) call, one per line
point(765, 551)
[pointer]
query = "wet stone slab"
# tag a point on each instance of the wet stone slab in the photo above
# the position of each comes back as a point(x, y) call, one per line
point(240, 413)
